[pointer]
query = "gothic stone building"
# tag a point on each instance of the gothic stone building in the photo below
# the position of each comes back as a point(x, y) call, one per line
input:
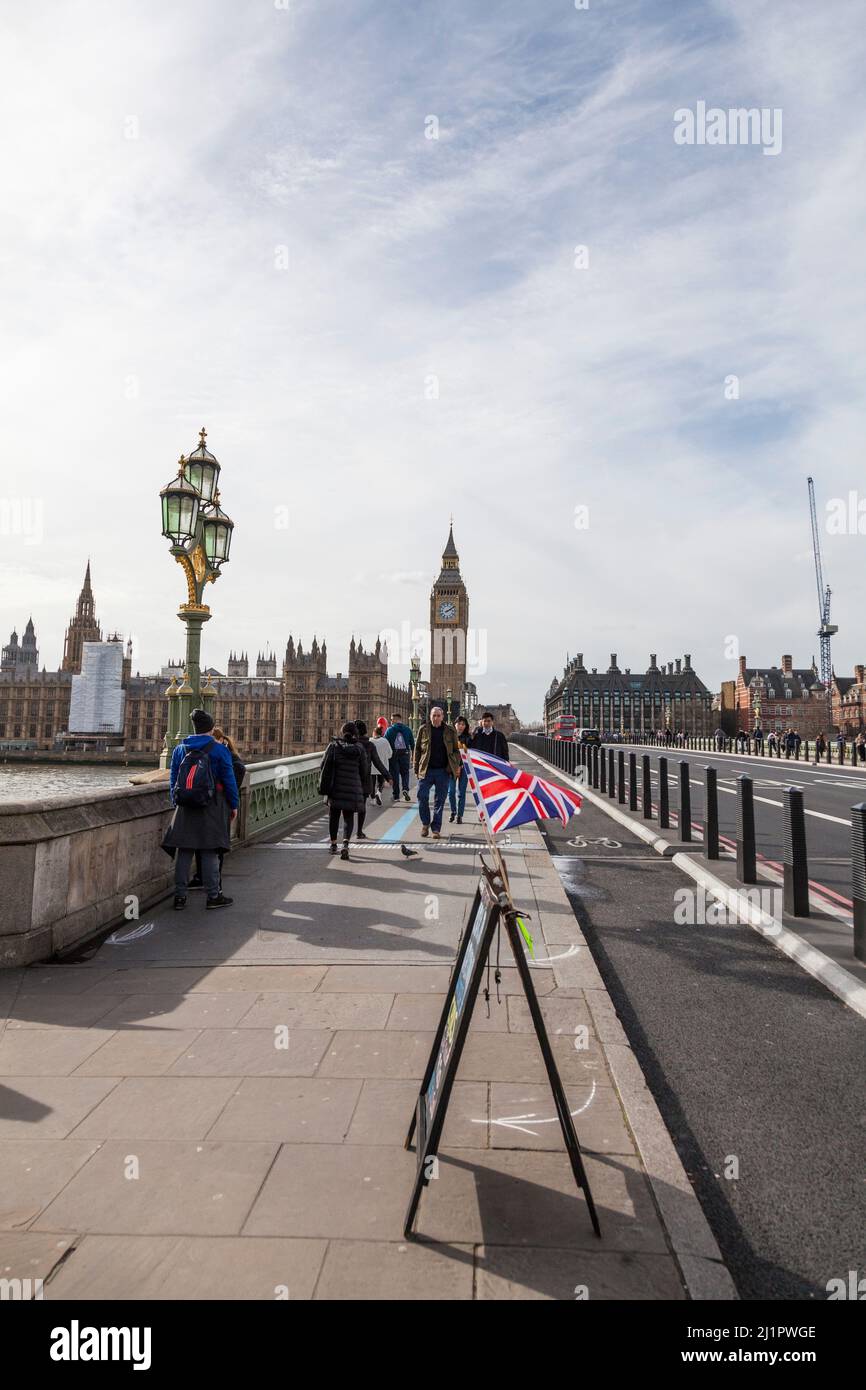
point(616, 700)
point(270, 715)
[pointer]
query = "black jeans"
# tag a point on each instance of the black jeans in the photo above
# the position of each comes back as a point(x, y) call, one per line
point(334, 814)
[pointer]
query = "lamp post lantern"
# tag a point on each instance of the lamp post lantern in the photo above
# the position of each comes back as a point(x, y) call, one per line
point(201, 535)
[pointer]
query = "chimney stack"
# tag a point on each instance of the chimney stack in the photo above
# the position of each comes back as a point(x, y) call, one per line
point(787, 665)
point(678, 665)
point(743, 667)
point(687, 661)
point(860, 672)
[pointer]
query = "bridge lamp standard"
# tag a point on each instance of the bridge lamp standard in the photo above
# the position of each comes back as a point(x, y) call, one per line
point(200, 533)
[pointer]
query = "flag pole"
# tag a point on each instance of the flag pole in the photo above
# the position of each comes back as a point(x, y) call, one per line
point(485, 821)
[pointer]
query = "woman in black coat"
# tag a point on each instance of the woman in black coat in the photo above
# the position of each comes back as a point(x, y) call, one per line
point(344, 778)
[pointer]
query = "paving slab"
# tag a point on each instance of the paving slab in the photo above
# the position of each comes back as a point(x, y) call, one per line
point(189, 1268)
point(311, 1110)
point(419, 1012)
point(158, 1107)
point(252, 1052)
point(320, 1010)
point(524, 1117)
point(44, 1010)
point(180, 1011)
point(182, 1188)
point(396, 1272)
point(517, 1057)
point(278, 978)
point(142, 1052)
point(506, 1272)
point(377, 1053)
point(46, 1051)
point(31, 1255)
point(385, 1109)
point(530, 1198)
point(32, 1172)
point(48, 1107)
point(348, 1191)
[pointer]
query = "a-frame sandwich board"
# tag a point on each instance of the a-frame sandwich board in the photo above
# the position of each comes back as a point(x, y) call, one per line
point(491, 906)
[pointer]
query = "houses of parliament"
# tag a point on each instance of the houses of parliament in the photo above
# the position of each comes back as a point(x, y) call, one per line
point(270, 713)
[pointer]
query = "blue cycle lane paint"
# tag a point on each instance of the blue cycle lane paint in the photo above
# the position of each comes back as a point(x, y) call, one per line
point(399, 828)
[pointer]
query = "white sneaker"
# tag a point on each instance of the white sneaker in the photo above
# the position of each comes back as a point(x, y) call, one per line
point(378, 799)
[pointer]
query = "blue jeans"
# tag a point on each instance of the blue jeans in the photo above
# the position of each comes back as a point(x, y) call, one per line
point(457, 793)
point(436, 780)
point(399, 768)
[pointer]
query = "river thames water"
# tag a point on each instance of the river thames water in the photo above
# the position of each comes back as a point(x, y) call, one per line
point(19, 782)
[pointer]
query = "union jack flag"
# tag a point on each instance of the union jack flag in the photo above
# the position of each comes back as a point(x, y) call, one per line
point(511, 797)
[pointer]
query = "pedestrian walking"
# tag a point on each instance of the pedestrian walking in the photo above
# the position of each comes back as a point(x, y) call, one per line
point(377, 770)
point(240, 771)
point(205, 797)
point(457, 785)
point(436, 759)
point(383, 748)
point(860, 747)
point(402, 742)
point(488, 739)
point(820, 747)
point(771, 743)
point(344, 780)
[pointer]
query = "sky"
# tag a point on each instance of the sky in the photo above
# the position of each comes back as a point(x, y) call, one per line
point(406, 261)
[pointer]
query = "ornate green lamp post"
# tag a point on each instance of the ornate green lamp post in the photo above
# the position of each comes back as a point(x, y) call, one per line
point(414, 682)
point(201, 537)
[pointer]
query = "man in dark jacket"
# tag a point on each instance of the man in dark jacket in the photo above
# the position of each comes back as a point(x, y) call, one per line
point(437, 760)
point(402, 741)
point(489, 740)
point(205, 828)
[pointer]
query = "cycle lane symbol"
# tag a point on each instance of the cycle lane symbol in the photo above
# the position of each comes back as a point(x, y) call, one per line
point(581, 842)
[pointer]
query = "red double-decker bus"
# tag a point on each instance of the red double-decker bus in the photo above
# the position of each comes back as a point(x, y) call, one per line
point(564, 727)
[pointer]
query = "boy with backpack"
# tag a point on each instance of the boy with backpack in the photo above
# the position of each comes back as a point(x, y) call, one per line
point(203, 787)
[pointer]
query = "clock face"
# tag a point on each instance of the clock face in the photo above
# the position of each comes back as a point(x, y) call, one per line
point(447, 610)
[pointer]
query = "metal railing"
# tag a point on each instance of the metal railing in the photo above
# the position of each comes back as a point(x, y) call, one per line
point(588, 763)
point(276, 791)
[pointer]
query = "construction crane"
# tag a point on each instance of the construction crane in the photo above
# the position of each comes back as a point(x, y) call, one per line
point(826, 629)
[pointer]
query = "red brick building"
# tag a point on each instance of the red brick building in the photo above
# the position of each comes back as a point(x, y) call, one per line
point(848, 701)
point(790, 698)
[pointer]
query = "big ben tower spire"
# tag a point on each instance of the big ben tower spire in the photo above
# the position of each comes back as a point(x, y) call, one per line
point(449, 624)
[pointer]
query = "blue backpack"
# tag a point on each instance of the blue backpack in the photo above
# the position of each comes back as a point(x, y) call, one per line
point(195, 784)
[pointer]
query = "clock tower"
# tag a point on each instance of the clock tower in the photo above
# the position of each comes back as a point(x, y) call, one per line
point(449, 625)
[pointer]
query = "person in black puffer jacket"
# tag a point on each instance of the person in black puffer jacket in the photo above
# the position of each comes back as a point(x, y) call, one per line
point(344, 779)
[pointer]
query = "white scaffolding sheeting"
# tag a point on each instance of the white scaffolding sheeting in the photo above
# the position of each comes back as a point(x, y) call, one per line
point(96, 705)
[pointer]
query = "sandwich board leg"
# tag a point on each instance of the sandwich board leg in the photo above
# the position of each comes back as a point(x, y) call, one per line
point(560, 1099)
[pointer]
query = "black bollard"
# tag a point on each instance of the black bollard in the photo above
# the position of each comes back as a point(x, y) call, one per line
point(746, 870)
point(711, 814)
point(858, 877)
point(664, 814)
point(632, 781)
point(611, 773)
point(794, 862)
point(685, 802)
point(594, 772)
point(603, 763)
point(620, 774)
point(647, 787)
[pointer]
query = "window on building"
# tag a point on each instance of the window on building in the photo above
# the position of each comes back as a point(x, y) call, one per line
point(297, 734)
